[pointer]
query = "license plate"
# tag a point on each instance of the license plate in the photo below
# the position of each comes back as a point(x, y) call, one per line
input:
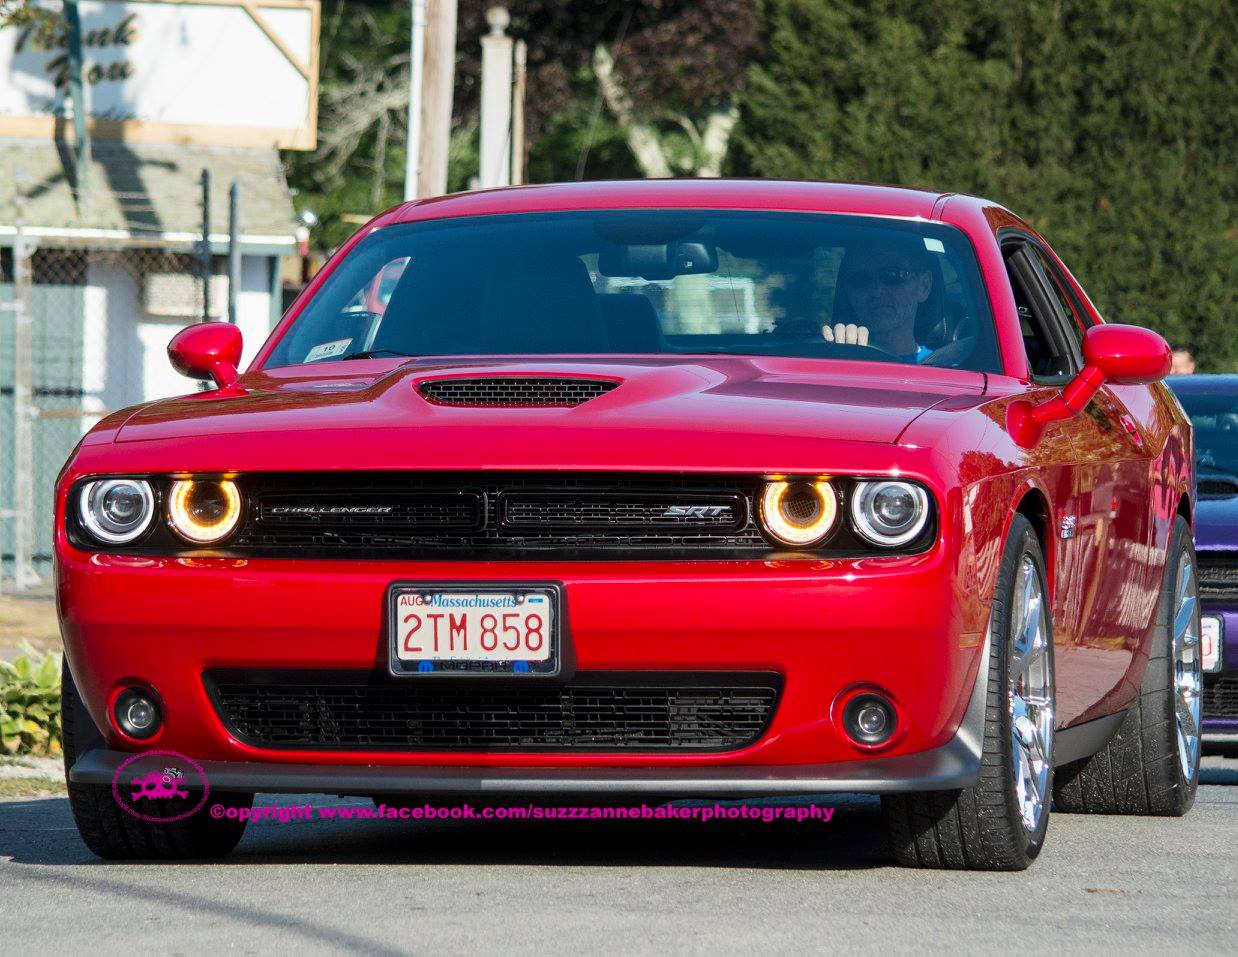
point(474, 630)
point(1210, 643)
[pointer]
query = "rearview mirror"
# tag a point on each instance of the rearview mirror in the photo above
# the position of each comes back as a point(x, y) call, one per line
point(679, 257)
point(207, 350)
point(1123, 355)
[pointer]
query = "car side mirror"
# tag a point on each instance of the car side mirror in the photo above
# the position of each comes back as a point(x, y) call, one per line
point(207, 350)
point(1123, 355)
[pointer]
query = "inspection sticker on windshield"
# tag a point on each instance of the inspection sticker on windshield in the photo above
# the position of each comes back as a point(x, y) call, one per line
point(328, 350)
point(1210, 643)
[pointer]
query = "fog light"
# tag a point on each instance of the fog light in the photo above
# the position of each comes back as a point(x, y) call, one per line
point(137, 714)
point(869, 719)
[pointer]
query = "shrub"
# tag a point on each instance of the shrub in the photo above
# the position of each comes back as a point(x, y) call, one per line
point(30, 704)
point(1108, 125)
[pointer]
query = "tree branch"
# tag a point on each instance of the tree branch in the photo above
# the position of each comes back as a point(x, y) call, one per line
point(716, 139)
point(642, 138)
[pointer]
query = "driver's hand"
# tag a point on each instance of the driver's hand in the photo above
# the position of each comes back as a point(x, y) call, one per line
point(846, 335)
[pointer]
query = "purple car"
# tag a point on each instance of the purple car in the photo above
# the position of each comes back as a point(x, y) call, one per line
point(1212, 403)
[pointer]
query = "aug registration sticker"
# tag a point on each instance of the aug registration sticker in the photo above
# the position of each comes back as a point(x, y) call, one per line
point(1210, 643)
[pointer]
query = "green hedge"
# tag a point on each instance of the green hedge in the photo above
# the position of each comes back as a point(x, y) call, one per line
point(1111, 126)
point(30, 704)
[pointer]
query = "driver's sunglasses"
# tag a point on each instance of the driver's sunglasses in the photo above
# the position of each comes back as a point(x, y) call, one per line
point(887, 277)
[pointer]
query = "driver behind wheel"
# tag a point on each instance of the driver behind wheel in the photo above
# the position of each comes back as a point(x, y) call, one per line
point(882, 291)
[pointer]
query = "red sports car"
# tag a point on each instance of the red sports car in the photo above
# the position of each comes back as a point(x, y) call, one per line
point(647, 490)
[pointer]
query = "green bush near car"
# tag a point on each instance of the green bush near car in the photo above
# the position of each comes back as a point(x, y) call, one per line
point(30, 704)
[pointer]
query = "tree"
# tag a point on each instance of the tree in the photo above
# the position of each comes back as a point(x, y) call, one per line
point(614, 89)
point(667, 73)
point(1109, 125)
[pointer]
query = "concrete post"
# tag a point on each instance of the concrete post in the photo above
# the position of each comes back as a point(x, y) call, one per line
point(496, 101)
point(417, 47)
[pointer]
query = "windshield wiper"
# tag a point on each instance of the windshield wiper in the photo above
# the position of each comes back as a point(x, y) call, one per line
point(377, 354)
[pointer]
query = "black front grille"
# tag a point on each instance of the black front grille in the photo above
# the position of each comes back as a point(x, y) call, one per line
point(1218, 574)
point(442, 511)
point(403, 514)
point(601, 711)
point(527, 391)
point(575, 511)
point(1221, 699)
point(1217, 488)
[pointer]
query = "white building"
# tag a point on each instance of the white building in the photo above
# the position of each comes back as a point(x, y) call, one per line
point(172, 89)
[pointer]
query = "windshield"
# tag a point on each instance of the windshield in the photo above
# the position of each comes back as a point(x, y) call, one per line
point(654, 281)
point(1215, 418)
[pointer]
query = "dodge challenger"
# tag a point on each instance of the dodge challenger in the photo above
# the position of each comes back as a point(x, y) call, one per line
point(647, 490)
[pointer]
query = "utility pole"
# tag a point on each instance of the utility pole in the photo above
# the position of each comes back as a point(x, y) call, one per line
point(438, 76)
point(205, 251)
point(234, 249)
point(496, 101)
point(77, 96)
point(518, 158)
point(416, 71)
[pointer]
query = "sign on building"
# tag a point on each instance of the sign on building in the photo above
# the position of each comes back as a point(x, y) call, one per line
point(240, 73)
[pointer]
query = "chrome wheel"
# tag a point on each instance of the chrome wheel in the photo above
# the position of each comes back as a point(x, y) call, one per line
point(1187, 669)
point(1031, 695)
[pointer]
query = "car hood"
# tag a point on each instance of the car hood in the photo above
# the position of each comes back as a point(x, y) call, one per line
point(664, 406)
point(1216, 523)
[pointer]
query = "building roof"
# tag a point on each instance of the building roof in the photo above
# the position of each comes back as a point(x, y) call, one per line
point(679, 193)
point(147, 193)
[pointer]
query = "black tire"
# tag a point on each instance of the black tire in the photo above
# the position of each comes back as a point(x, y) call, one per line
point(980, 827)
point(1139, 771)
point(112, 833)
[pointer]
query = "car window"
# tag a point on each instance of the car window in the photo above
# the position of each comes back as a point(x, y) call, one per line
point(1053, 352)
point(1076, 320)
point(1214, 416)
point(655, 281)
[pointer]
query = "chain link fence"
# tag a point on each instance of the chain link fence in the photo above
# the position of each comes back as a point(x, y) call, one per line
point(76, 321)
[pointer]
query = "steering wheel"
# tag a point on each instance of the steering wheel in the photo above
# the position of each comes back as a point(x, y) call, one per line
point(952, 354)
point(838, 350)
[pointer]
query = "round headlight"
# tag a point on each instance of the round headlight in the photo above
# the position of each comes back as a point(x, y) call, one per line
point(889, 513)
point(798, 513)
point(116, 511)
point(204, 512)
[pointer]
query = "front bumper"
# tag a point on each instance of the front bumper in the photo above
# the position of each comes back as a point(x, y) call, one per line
point(164, 622)
point(955, 764)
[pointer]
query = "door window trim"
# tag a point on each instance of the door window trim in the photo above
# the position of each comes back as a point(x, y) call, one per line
point(1045, 305)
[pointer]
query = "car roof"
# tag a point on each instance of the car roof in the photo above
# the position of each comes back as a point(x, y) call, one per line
point(754, 194)
point(1214, 383)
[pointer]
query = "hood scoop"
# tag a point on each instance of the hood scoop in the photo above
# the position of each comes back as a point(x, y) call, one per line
point(514, 391)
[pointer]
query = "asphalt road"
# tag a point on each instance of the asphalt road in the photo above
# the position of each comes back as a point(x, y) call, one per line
point(1102, 883)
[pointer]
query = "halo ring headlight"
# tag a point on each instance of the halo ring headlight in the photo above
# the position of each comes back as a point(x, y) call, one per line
point(116, 511)
point(203, 511)
point(799, 514)
point(889, 513)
